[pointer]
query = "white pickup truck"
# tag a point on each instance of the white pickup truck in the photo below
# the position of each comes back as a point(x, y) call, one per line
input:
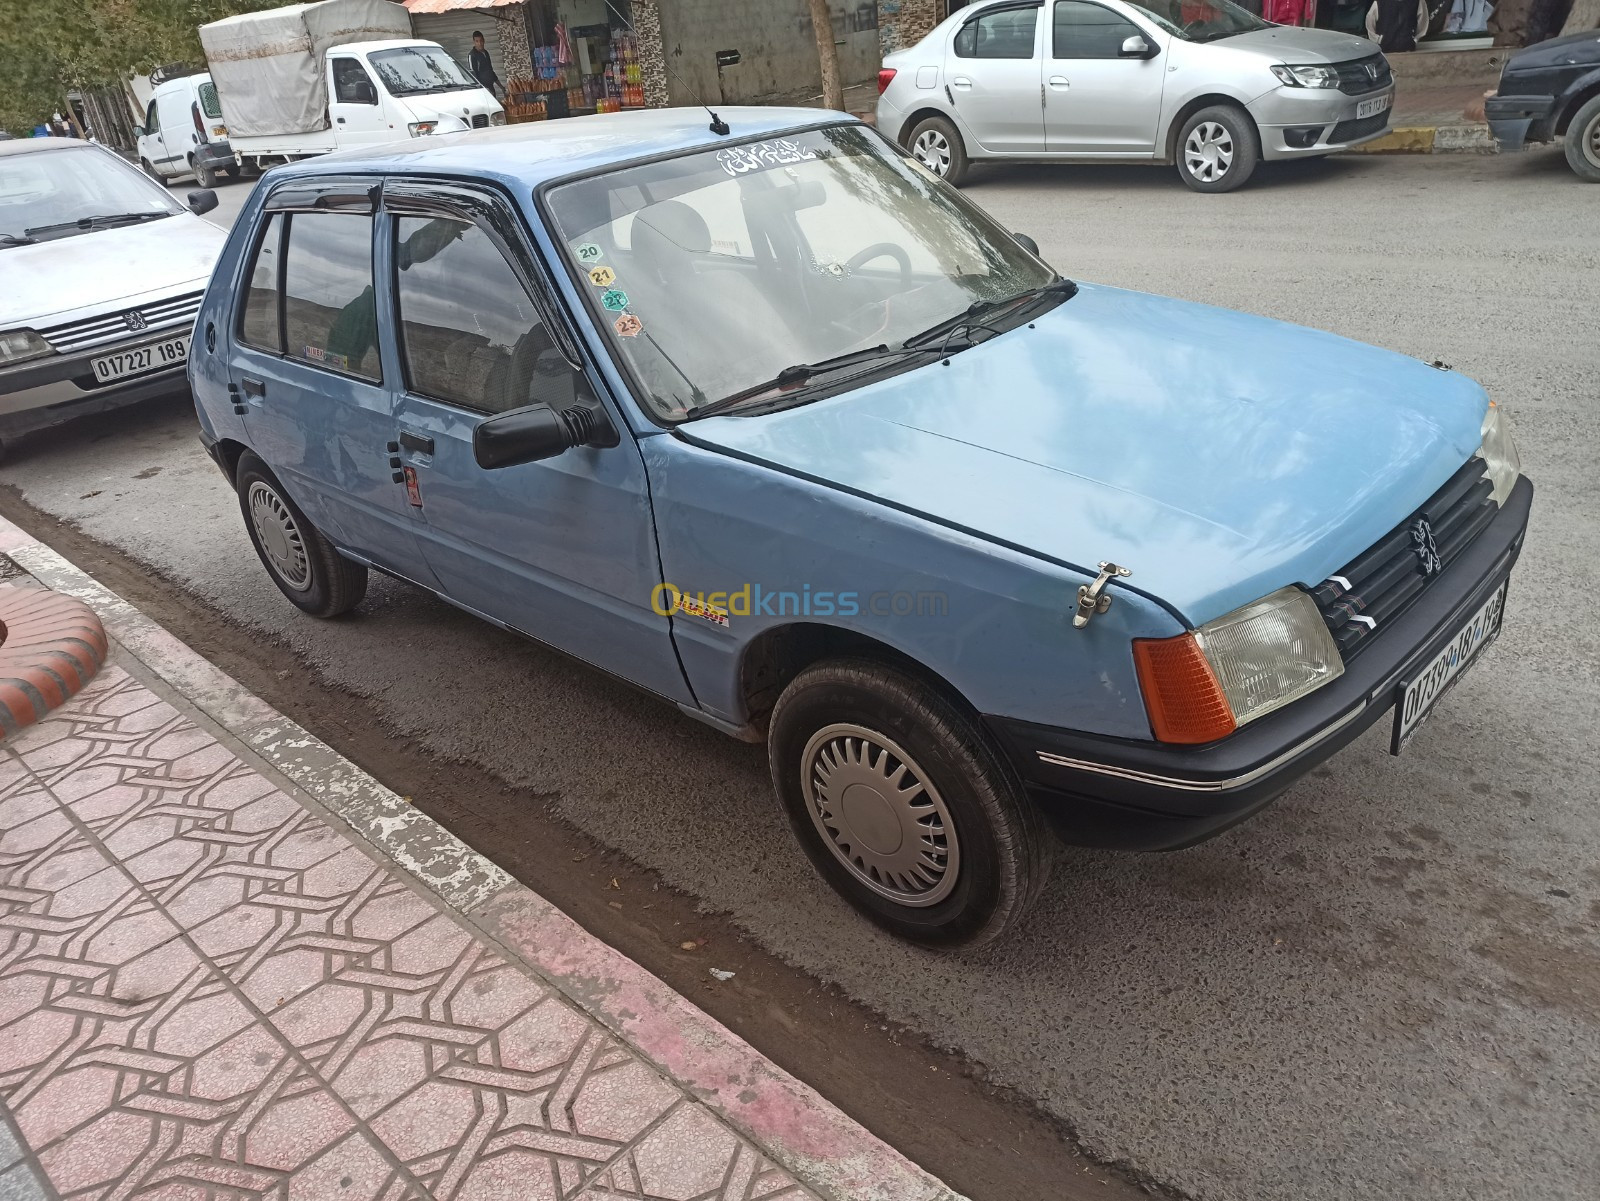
point(312, 78)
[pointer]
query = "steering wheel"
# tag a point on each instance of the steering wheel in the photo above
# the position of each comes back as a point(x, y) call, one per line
point(879, 250)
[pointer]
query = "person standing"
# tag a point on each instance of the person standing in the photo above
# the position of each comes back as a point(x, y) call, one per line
point(482, 69)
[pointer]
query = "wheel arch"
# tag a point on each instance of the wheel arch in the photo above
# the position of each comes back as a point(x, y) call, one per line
point(1169, 153)
point(918, 116)
point(1585, 90)
point(229, 452)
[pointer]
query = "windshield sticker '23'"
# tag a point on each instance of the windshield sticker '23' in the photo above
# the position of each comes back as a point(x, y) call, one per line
point(779, 152)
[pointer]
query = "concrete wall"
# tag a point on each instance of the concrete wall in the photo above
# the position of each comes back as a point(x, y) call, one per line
point(776, 42)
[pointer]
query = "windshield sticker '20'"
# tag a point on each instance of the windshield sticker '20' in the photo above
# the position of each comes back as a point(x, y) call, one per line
point(779, 152)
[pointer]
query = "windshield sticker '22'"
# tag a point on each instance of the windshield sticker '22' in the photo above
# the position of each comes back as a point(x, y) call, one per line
point(779, 152)
point(616, 300)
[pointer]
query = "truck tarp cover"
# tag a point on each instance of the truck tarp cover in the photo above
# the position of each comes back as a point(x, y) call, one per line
point(268, 65)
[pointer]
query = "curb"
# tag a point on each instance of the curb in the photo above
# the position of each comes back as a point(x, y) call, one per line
point(793, 1124)
point(1431, 139)
point(50, 647)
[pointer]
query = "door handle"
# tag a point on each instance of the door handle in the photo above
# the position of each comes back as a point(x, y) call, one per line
point(340, 120)
point(962, 82)
point(416, 442)
point(252, 386)
point(1060, 82)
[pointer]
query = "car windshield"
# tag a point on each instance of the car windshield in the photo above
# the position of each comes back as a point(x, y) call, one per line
point(59, 192)
point(1201, 20)
point(721, 270)
point(414, 69)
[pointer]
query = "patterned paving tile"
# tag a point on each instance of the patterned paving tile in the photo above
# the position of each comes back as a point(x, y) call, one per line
point(207, 992)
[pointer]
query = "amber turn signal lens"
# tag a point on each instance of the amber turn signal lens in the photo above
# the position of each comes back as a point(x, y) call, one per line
point(1181, 692)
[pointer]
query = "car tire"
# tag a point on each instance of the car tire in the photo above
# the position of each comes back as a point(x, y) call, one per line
point(1583, 141)
point(868, 727)
point(937, 145)
point(1217, 149)
point(302, 563)
point(149, 169)
point(206, 177)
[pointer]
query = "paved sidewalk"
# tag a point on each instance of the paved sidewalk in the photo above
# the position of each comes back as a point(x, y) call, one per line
point(212, 986)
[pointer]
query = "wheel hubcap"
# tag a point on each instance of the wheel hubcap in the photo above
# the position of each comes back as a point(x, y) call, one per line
point(279, 537)
point(1208, 153)
point(1591, 144)
point(880, 815)
point(932, 151)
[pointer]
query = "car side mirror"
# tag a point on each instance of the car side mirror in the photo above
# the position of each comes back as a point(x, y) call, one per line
point(202, 200)
point(138, 131)
point(538, 432)
point(1137, 47)
point(1027, 243)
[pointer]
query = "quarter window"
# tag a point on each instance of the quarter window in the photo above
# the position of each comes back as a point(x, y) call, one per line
point(1089, 31)
point(1006, 33)
point(260, 327)
point(330, 311)
point(470, 333)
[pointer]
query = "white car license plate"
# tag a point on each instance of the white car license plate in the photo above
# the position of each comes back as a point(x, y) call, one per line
point(1419, 695)
point(1371, 108)
point(141, 358)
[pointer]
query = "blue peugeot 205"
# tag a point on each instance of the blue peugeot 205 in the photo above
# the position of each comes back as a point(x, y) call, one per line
point(777, 426)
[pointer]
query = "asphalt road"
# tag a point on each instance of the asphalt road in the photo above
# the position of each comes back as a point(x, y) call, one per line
point(1388, 984)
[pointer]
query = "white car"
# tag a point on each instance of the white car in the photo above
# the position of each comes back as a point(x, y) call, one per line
point(1199, 83)
point(103, 273)
point(184, 134)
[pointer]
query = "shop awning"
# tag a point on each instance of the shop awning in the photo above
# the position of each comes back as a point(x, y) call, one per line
point(449, 6)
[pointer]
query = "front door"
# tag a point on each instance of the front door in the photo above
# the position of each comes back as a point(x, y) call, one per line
point(358, 119)
point(153, 146)
point(306, 370)
point(995, 73)
point(563, 550)
point(1097, 102)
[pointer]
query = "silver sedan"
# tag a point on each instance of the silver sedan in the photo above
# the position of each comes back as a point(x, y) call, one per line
point(1202, 84)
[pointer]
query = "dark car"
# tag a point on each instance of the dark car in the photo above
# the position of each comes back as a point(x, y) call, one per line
point(1552, 91)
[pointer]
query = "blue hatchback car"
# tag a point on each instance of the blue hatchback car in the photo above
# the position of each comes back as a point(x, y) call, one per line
point(779, 427)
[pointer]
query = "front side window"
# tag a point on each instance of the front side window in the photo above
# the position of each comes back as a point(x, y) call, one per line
point(330, 311)
point(1007, 33)
point(350, 83)
point(1084, 30)
point(1200, 20)
point(259, 327)
point(416, 70)
point(470, 334)
point(152, 122)
point(714, 271)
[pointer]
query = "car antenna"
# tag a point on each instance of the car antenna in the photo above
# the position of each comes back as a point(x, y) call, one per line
point(718, 125)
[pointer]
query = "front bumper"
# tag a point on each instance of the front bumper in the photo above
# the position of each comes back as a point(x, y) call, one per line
point(45, 392)
point(1304, 122)
point(1517, 120)
point(1129, 795)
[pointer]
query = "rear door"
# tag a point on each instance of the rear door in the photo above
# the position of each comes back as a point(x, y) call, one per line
point(307, 371)
point(995, 74)
point(1098, 103)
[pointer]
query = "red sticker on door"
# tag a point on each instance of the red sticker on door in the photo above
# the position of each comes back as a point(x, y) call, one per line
point(413, 489)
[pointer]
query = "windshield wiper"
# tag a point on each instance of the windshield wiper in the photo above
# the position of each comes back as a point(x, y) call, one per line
point(982, 308)
point(802, 373)
point(91, 222)
point(16, 240)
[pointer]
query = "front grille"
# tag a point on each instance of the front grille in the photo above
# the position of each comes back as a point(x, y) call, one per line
point(1382, 583)
point(1349, 131)
point(92, 333)
point(480, 121)
point(1356, 80)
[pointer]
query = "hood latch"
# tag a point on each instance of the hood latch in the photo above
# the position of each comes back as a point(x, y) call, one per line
point(1093, 598)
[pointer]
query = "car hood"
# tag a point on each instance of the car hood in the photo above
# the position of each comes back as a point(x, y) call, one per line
point(1286, 44)
point(105, 268)
point(1219, 456)
point(1574, 49)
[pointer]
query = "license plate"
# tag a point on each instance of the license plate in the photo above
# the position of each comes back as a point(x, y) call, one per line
point(1371, 108)
point(141, 358)
point(1419, 695)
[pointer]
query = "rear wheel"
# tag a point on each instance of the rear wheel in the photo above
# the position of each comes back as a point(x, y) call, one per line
point(937, 145)
point(1583, 141)
point(1217, 150)
point(206, 177)
point(903, 806)
point(302, 563)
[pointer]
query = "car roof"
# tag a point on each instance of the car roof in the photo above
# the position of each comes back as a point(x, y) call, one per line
point(532, 153)
point(24, 145)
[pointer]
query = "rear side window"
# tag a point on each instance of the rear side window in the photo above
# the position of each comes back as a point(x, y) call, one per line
point(1088, 31)
point(209, 104)
point(470, 334)
point(330, 311)
point(259, 326)
point(1006, 33)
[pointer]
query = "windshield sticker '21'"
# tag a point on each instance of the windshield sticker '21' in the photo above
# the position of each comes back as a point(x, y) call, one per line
point(779, 152)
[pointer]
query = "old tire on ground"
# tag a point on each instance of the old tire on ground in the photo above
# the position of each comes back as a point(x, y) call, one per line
point(1583, 141)
point(302, 563)
point(903, 806)
point(937, 145)
point(1217, 149)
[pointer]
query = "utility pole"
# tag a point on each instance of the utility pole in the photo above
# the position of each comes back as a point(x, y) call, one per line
point(828, 53)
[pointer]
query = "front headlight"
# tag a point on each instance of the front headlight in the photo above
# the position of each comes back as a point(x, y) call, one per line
point(1202, 686)
point(1499, 453)
point(498, 118)
point(1306, 77)
point(19, 345)
point(421, 129)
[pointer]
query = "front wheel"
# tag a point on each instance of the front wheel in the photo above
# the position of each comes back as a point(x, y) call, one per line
point(903, 806)
point(149, 169)
point(1217, 149)
point(302, 563)
point(1583, 141)
point(937, 145)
